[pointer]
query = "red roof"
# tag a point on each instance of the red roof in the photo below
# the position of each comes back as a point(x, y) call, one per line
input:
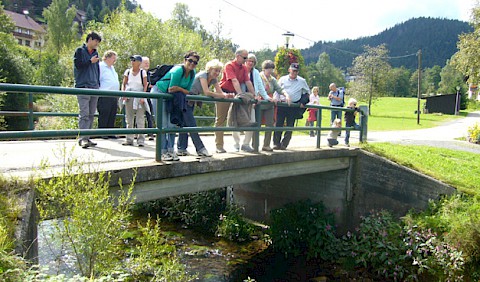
point(25, 21)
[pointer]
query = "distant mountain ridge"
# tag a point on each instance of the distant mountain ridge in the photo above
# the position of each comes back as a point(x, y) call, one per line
point(437, 38)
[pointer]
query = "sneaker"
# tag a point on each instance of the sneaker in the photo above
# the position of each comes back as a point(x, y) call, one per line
point(91, 143)
point(83, 143)
point(127, 143)
point(277, 147)
point(236, 147)
point(151, 137)
point(203, 153)
point(141, 145)
point(174, 156)
point(247, 148)
point(267, 149)
point(347, 145)
point(181, 152)
point(220, 151)
point(167, 157)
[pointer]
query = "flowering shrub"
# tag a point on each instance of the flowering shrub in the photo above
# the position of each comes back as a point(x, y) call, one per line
point(389, 251)
point(234, 227)
point(474, 133)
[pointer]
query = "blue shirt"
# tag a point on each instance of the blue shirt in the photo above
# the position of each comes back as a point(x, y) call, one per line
point(294, 87)
point(108, 77)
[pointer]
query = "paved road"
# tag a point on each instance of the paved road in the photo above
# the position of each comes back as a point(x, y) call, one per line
point(20, 158)
point(443, 136)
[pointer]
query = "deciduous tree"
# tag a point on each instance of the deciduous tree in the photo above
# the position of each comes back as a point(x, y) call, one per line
point(61, 30)
point(371, 70)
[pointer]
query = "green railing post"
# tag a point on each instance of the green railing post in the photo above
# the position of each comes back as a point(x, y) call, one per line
point(256, 134)
point(160, 133)
point(363, 123)
point(31, 126)
point(319, 125)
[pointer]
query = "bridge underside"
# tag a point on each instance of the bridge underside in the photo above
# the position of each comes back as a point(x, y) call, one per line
point(177, 178)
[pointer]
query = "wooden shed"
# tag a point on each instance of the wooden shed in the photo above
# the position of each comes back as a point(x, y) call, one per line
point(444, 103)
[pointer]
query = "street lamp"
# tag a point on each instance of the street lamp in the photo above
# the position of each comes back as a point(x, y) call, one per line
point(456, 101)
point(288, 35)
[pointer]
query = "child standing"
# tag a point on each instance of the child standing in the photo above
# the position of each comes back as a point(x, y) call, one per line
point(312, 113)
point(350, 119)
point(333, 134)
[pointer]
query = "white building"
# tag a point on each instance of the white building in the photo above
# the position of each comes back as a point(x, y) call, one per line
point(27, 31)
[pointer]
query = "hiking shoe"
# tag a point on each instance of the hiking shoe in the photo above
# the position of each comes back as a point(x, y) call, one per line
point(247, 148)
point(347, 145)
point(127, 143)
point(220, 151)
point(203, 153)
point(267, 149)
point(181, 152)
point(236, 147)
point(277, 147)
point(141, 145)
point(91, 143)
point(167, 157)
point(151, 137)
point(83, 143)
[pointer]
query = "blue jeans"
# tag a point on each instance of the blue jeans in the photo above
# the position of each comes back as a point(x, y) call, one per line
point(189, 121)
point(347, 134)
point(168, 140)
point(335, 114)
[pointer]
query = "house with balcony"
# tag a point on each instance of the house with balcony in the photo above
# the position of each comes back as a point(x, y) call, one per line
point(27, 31)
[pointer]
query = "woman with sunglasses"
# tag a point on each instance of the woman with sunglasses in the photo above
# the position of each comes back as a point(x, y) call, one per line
point(202, 85)
point(178, 81)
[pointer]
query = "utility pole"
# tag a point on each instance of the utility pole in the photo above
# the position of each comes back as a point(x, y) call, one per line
point(419, 54)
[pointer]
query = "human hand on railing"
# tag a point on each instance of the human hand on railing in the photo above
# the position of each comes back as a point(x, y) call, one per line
point(229, 95)
point(142, 100)
point(289, 101)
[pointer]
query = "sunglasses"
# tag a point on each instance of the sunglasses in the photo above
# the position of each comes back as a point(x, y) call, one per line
point(192, 61)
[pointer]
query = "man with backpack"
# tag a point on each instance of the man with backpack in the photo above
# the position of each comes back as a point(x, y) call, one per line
point(336, 97)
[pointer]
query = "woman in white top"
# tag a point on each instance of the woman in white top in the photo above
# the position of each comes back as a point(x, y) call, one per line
point(135, 79)
point(107, 105)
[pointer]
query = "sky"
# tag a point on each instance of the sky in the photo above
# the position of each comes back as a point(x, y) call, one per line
point(258, 24)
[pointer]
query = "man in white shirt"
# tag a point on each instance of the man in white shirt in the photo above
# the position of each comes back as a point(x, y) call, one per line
point(295, 86)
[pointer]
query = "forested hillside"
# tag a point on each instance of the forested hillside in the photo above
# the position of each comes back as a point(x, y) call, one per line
point(437, 38)
point(95, 9)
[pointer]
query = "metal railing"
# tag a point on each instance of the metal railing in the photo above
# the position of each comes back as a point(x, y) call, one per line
point(159, 130)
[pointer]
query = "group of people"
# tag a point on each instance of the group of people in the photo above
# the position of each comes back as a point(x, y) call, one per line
point(240, 79)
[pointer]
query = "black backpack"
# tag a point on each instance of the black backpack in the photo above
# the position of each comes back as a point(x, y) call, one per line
point(158, 72)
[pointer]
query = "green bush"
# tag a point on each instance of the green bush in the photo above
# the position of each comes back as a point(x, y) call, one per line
point(304, 228)
point(199, 210)
point(234, 227)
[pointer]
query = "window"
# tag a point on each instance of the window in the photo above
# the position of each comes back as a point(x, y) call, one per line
point(20, 41)
point(27, 43)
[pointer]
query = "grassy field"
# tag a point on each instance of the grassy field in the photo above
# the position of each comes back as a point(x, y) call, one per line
point(389, 113)
point(458, 168)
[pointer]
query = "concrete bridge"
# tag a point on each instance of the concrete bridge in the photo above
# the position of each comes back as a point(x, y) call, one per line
point(349, 181)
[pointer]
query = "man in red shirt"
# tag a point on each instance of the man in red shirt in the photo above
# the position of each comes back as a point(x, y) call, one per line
point(234, 75)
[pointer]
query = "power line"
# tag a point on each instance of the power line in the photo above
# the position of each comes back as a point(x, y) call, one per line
point(303, 37)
